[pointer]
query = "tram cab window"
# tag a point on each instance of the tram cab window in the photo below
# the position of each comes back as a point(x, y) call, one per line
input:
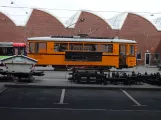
point(38, 47)
point(108, 48)
point(90, 47)
point(131, 49)
point(60, 47)
point(31, 48)
point(41, 47)
point(76, 46)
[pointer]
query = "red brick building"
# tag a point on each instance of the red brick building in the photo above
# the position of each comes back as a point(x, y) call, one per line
point(126, 26)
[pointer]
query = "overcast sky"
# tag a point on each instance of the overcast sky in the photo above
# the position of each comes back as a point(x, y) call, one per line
point(19, 16)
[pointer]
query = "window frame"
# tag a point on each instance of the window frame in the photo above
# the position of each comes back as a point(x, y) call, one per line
point(125, 49)
point(130, 50)
point(106, 44)
point(33, 48)
point(96, 46)
point(140, 56)
point(76, 43)
point(61, 43)
point(7, 49)
point(155, 57)
point(36, 49)
point(38, 52)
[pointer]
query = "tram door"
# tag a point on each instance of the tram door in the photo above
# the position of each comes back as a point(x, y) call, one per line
point(122, 55)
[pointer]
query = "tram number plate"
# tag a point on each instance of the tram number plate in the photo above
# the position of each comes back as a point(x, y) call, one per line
point(92, 77)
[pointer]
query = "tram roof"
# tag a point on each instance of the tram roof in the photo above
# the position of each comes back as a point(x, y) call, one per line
point(6, 44)
point(72, 39)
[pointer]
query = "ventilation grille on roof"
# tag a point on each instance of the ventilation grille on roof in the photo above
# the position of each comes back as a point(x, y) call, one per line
point(80, 36)
point(58, 36)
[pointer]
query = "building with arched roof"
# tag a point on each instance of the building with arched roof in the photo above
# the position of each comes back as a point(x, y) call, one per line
point(8, 28)
point(125, 25)
point(92, 24)
point(143, 31)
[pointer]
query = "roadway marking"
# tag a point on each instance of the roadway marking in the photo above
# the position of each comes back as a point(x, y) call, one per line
point(21, 108)
point(77, 109)
point(136, 102)
point(2, 90)
point(62, 97)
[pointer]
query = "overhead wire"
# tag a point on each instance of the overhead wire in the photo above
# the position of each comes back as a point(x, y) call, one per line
point(23, 7)
point(12, 2)
point(67, 18)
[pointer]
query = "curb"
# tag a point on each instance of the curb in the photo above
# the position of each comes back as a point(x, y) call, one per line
point(2, 87)
point(81, 87)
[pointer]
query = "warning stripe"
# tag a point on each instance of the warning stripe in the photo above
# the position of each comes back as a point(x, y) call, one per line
point(27, 47)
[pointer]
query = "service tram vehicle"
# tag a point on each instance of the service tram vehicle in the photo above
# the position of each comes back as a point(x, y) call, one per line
point(8, 49)
point(75, 51)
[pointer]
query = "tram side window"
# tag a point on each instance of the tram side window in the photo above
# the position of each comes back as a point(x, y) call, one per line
point(6, 51)
point(40, 47)
point(60, 47)
point(131, 50)
point(91, 47)
point(108, 48)
point(3, 51)
point(31, 48)
point(75, 46)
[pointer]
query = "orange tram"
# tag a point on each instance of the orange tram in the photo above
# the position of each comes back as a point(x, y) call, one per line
point(67, 52)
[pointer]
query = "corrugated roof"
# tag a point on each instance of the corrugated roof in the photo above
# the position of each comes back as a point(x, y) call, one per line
point(117, 21)
point(157, 23)
point(70, 23)
point(148, 19)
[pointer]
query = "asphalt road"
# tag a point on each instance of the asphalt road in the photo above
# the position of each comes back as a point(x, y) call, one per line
point(64, 104)
point(77, 115)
